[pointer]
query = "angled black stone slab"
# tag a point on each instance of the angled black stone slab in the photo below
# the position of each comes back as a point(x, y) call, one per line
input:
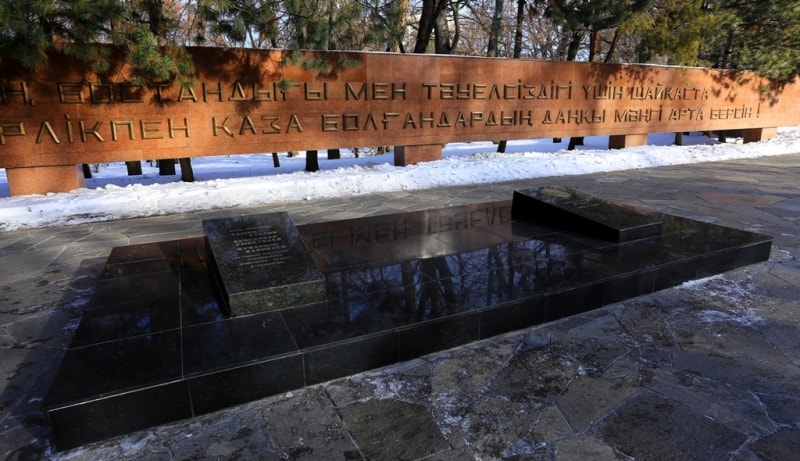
point(574, 210)
point(261, 263)
point(154, 346)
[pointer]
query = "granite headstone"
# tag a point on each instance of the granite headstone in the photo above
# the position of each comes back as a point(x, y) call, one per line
point(260, 264)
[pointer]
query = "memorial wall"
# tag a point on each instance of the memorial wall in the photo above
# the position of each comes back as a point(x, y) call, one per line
point(250, 101)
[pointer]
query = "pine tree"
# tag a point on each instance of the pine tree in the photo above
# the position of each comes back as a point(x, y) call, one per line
point(336, 25)
point(30, 29)
point(27, 28)
point(762, 36)
point(91, 30)
point(727, 34)
point(581, 17)
point(252, 23)
point(679, 32)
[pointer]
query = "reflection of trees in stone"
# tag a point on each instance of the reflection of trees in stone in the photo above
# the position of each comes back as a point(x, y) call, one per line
point(498, 280)
point(409, 287)
point(537, 264)
point(470, 278)
point(422, 289)
point(373, 295)
point(437, 290)
point(406, 292)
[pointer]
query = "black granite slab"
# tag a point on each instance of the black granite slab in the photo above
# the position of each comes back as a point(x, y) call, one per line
point(574, 210)
point(154, 345)
point(378, 240)
point(261, 263)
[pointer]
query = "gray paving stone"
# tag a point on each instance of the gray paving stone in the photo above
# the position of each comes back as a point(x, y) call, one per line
point(782, 409)
point(26, 264)
point(53, 330)
point(495, 427)
point(534, 377)
point(653, 427)
point(391, 430)
point(551, 426)
point(732, 406)
point(468, 371)
point(587, 399)
point(307, 426)
point(782, 445)
point(582, 448)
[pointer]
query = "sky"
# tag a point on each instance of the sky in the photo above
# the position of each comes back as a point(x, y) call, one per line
point(252, 180)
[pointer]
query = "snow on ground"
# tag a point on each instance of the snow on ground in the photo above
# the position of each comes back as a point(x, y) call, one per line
point(251, 180)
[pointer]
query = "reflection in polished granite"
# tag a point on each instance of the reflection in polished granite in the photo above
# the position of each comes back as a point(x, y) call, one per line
point(153, 345)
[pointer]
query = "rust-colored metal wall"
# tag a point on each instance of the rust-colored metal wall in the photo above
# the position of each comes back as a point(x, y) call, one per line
point(258, 101)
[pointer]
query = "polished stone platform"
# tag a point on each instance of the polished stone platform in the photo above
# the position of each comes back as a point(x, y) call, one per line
point(154, 346)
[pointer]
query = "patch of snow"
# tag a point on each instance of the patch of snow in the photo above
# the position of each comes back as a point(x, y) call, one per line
point(745, 319)
point(699, 284)
point(252, 180)
point(729, 293)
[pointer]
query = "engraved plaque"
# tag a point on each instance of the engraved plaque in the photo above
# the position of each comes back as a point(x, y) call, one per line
point(574, 210)
point(261, 264)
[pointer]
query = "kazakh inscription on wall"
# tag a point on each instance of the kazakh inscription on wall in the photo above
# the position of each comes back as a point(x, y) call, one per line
point(257, 101)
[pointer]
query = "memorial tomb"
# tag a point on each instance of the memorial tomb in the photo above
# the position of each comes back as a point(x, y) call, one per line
point(258, 306)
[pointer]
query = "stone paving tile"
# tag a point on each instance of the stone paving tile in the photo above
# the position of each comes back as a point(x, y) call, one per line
point(588, 398)
point(709, 370)
point(783, 444)
point(650, 426)
point(389, 429)
point(585, 447)
point(310, 427)
point(751, 199)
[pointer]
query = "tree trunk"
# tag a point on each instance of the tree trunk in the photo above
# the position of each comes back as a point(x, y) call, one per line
point(155, 12)
point(518, 29)
point(334, 154)
point(448, 287)
point(409, 290)
point(574, 45)
point(431, 9)
point(494, 37)
point(594, 44)
point(572, 54)
point(276, 162)
point(87, 172)
point(612, 48)
point(187, 173)
point(444, 42)
point(441, 35)
point(399, 29)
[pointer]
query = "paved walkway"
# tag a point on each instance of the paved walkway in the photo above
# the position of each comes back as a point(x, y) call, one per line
point(706, 371)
